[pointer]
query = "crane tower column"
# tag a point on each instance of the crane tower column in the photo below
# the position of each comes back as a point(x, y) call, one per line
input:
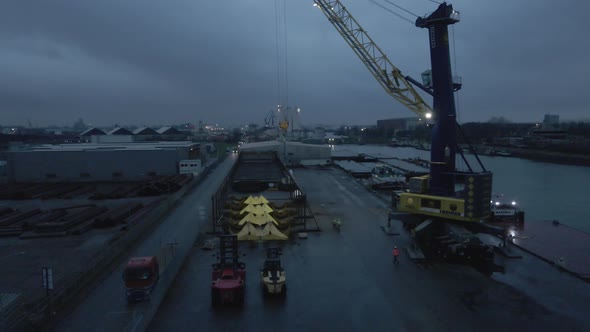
point(444, 133)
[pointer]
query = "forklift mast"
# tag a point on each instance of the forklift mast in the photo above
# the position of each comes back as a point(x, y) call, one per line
point(228, 251)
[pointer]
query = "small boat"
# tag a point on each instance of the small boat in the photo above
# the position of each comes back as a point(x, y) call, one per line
point(504, 209)
point(503, 153)
point(387, 177)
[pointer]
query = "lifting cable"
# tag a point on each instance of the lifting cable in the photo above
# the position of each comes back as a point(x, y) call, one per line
point(392, 12)
point(281, 47)
point(400, 7)
point(286, 56)
point(278, 53)
point(435, 1)
point(455, 67)
point(457, 101)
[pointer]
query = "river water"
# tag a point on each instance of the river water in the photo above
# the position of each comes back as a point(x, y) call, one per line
point(545, 191)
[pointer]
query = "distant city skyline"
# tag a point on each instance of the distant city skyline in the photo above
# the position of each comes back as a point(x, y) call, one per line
point(230, 62)
point(261, 124)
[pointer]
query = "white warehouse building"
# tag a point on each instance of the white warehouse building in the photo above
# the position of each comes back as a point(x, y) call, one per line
point(293, 153)
point(89, 162)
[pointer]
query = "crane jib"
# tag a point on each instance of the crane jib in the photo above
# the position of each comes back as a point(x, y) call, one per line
point(372, 57)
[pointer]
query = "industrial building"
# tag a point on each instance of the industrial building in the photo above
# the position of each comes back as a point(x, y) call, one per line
point(119, 134)
point(119, 131)
point(85, 135)
point(293, 153)
point(398, 124)
point(88, 162)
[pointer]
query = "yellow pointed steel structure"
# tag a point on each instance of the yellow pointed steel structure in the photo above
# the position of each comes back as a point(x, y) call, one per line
point(267, 219)
point(249, 218)
point(256, 209)
point(248, 233)
point(250, 200)
point(270, 232)
point(248, 209)
point(388, 75)
point(258, 224)
point(262, 200)
point(265, 208)
point(256, 200)
point(259, 220)
point(252, 233)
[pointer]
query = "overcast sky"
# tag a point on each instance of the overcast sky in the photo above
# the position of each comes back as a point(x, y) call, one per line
point(149, 62)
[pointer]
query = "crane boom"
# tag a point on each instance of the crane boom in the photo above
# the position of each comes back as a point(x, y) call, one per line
point(388, 75)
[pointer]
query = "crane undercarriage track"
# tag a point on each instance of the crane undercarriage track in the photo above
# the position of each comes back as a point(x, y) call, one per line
point(453, 243)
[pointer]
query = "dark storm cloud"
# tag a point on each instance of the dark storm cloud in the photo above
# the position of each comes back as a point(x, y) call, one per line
point(160, 62)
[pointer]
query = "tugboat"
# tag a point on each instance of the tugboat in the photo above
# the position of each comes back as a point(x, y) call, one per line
point(504, 209)
point(385, 177)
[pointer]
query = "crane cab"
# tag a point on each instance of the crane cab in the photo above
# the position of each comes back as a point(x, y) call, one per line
point(471, 203)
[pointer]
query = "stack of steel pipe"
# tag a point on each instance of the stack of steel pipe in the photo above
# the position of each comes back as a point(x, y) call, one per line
point(117, 215)
point(70, 221)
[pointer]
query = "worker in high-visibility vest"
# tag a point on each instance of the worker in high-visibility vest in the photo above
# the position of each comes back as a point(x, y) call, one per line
point(336, 224)
point(395, 253)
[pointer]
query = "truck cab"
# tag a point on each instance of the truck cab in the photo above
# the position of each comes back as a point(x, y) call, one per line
point(141, 276)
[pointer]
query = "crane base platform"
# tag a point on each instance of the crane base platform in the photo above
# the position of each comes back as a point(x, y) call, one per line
point(416, 254)
point(507, 252)
point(388, 230)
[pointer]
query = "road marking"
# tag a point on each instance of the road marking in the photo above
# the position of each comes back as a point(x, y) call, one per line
point(118, 312)
point(351, 197)
point(202, 212)
point(138, 321)
point(13, 254)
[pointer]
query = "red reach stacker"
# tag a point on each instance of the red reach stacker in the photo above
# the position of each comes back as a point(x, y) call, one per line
point(228, 279)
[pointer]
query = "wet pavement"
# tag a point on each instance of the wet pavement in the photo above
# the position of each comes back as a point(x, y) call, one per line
point(559, 244)
point(347, 281)
point(105, 307)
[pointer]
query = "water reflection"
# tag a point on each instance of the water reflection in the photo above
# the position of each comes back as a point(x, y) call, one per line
point(545, 191)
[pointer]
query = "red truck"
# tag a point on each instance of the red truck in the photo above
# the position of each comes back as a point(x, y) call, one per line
point(229, 275)
point(141, 276)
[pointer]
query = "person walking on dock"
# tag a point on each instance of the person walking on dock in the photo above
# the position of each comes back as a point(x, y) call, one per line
point(336, 224)
point(395, 253)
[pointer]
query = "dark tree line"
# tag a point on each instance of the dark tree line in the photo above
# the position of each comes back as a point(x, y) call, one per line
point(475, 132)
